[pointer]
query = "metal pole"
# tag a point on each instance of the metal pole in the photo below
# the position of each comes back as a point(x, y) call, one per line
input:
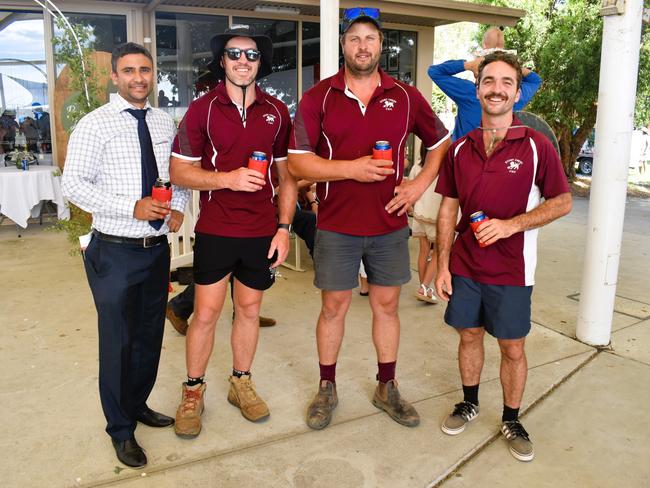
point(614, 124)
point(329, 38)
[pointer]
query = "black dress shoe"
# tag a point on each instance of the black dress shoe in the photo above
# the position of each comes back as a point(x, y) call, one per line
point(130, 453)
point(154, 419)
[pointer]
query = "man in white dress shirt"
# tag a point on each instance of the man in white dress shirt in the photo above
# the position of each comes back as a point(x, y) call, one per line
point(115, 155)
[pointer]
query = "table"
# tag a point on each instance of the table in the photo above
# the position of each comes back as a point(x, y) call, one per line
point(22, 192)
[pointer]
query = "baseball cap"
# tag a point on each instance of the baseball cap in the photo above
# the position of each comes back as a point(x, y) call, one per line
point(352, 15)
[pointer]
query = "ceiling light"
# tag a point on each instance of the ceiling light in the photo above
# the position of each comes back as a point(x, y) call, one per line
point(272, 9)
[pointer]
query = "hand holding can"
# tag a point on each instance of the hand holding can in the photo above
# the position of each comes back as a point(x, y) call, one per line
point(475, 220)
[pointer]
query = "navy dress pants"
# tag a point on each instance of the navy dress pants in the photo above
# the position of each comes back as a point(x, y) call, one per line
point(129, 286)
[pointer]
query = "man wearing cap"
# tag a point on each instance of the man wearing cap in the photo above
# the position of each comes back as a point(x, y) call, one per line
point(363, 202)
point(237, 232)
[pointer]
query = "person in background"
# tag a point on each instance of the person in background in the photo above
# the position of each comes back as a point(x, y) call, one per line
point(463, 92)
point(423, 229)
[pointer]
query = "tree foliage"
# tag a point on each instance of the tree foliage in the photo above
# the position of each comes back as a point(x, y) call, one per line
point(561, 40)
point(84, 76)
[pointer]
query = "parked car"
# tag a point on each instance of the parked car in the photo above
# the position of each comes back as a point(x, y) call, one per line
point(639, 153)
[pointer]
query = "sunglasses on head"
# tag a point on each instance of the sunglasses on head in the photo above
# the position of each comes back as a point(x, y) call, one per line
point(350, 14)
point(234, 53)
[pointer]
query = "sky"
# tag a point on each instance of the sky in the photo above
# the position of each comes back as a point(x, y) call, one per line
point(23, 40)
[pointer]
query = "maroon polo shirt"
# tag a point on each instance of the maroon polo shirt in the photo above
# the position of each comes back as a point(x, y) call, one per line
point(333, 124)
point(522, 169)
point(212, 132)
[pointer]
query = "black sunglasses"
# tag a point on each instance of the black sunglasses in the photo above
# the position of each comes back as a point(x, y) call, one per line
point(234, 53)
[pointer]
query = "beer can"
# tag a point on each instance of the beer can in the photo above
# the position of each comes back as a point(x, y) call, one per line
point(258, 162)
point(382, 150)
point(162, 191)
point(25, 164)
point(475, 220)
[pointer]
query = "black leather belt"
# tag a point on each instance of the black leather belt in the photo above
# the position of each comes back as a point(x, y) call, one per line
point(146, 242)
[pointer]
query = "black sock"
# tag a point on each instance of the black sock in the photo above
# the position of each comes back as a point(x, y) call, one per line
point(509, 414)
point(195, 381)
point(239, 374)
point(470, 394)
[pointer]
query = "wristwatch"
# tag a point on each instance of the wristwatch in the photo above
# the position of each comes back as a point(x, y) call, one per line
point(285, 226)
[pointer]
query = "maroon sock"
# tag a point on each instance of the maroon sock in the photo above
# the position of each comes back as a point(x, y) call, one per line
point(328, 372)
point(386, 371)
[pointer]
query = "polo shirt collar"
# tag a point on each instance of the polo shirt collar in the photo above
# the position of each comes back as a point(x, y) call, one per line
point(224, 98)
point(121, 104)
point(515, 133)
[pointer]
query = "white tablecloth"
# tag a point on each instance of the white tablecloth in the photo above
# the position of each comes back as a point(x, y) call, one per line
point(21, 192)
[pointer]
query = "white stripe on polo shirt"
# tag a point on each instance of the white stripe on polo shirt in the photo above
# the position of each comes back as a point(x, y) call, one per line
point(530, 236)
point(329, 144)
point(406, 128)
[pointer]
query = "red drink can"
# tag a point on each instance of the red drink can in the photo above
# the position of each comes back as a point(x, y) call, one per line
point(258, 162)
point(162, 191)
point(382, 150)
point(475, 220)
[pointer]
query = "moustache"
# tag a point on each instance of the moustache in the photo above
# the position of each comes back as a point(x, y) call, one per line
point(495, 94)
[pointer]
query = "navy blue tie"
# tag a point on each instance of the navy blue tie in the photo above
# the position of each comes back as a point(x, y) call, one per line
point(147, 158)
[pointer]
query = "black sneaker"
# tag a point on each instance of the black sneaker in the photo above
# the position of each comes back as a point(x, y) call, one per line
point(520, 445)
point(463, 413)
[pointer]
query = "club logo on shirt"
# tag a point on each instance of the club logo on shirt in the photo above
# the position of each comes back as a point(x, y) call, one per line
point(387, 103)
point(513, 165)
point(270, 119)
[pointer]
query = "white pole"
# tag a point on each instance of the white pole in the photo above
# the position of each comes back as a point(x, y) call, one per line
point(619, 65)
point(329, 38)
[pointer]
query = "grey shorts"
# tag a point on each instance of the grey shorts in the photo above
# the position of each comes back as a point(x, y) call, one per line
point(337, 257)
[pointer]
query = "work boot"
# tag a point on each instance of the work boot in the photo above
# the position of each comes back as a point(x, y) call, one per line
point(267, 322)
point(321, 408)
point(463, 413)
point(188, 415)
point(520, 445)
point(242, 394)
point(387, 398)
point(179, 323)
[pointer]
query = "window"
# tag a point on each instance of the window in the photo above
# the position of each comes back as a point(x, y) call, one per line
point(24, 104)
point(183, 53)
point(310, 55)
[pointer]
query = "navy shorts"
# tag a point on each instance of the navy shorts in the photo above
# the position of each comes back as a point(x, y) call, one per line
point(504, 311)
point(337, 258)
point(244, 257)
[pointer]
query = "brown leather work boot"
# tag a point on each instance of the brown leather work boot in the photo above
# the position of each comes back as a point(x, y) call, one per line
point(188, 415)
point(242, 394)
point(321, 408)
point(387, 398)
point(267, 322)
point(179, 323)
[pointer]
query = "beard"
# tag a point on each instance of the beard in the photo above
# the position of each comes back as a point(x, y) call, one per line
point(358, 69)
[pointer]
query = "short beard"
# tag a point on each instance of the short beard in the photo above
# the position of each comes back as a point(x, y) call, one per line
point(358, 73)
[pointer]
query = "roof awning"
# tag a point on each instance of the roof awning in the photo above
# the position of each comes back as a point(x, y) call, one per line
point(410, 12)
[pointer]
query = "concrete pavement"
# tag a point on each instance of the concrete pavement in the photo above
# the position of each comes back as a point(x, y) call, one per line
point(585, 409)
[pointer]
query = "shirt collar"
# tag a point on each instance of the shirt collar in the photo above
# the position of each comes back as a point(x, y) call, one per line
point(224, 98)
point(121, 104)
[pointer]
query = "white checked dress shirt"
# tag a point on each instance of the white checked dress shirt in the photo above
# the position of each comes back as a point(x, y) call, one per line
point(103, 171)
